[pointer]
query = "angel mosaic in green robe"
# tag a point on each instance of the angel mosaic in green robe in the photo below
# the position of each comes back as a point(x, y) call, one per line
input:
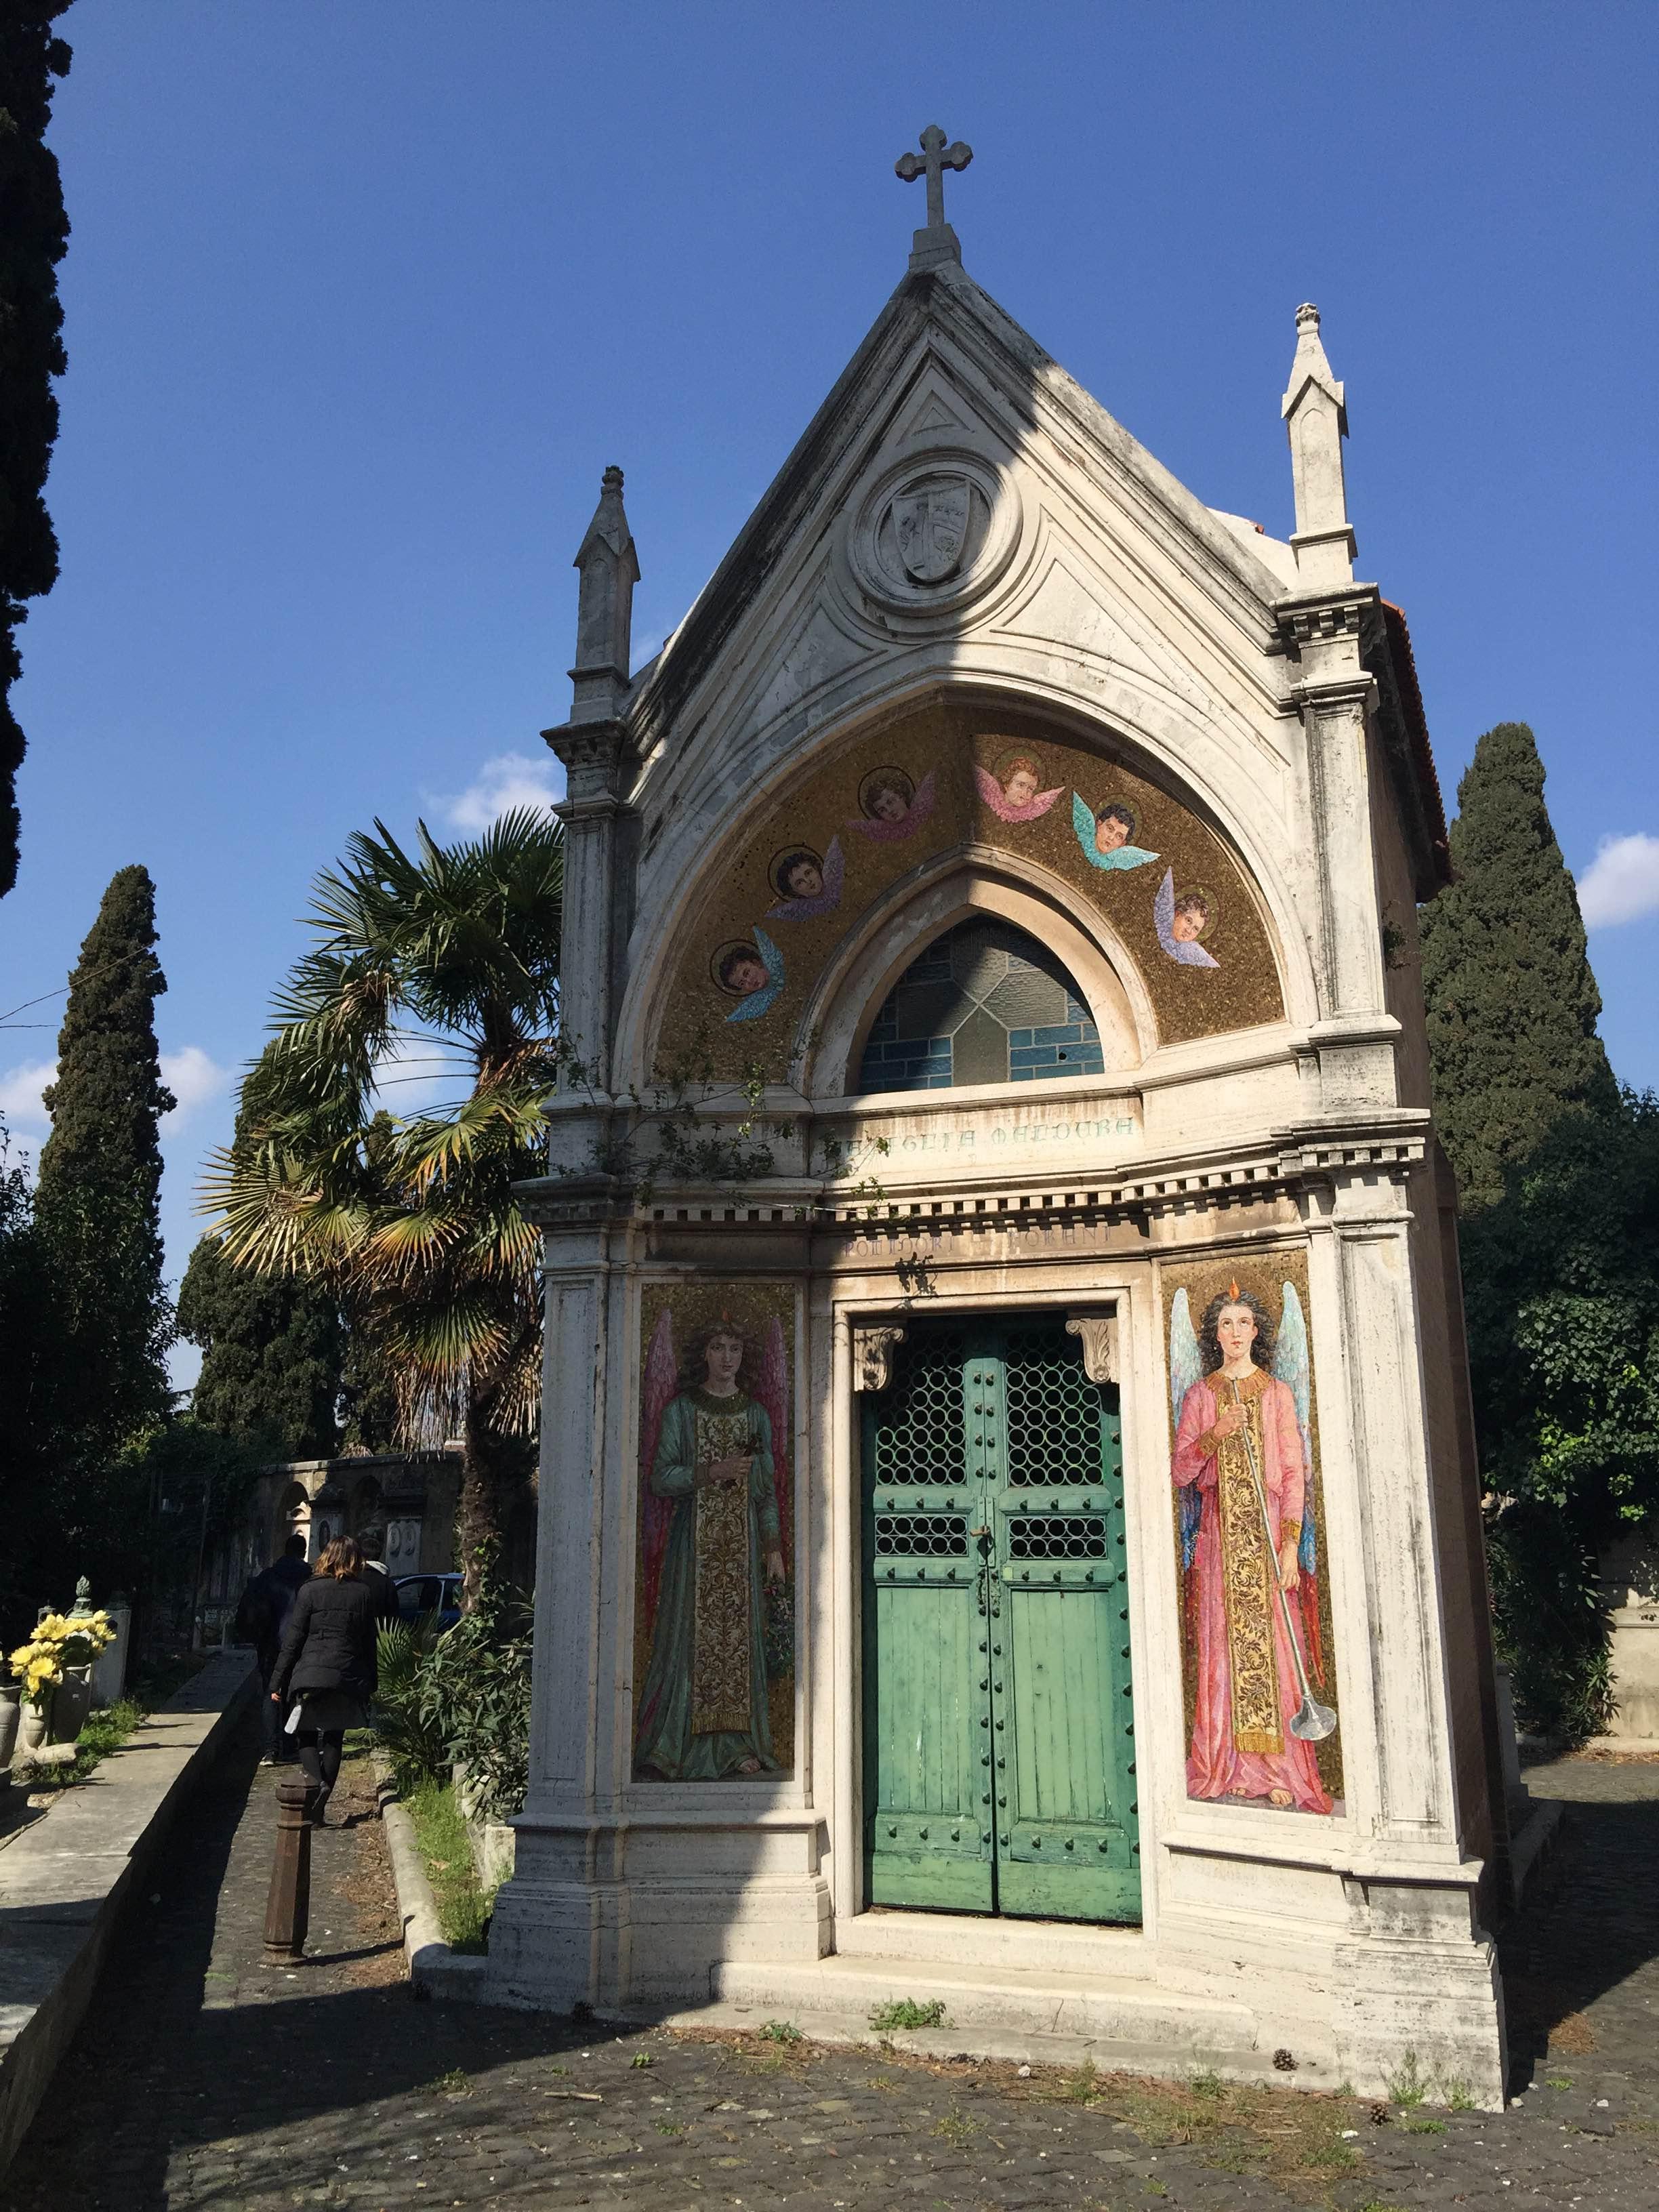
point(712, 1542)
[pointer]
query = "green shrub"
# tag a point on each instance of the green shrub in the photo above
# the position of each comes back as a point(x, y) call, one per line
point(474, 1696)
point(460, 1699)
point(414, 1744)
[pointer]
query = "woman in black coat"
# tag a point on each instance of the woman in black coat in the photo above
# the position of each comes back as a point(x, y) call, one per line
point(327, 1662)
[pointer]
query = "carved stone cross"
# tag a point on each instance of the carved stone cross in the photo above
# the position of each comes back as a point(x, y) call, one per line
point(939, 241)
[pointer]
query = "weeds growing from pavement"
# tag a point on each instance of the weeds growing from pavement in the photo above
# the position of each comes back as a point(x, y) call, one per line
point(905, 2012)
point(463, 1908)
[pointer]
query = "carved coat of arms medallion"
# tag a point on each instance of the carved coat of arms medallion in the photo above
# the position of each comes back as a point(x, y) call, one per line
point(930, 523)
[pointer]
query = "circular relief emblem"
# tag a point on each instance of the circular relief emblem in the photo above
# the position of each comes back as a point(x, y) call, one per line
point(928, 522)
point(933, 531)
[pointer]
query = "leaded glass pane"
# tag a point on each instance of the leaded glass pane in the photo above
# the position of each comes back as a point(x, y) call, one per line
point(985, 1003)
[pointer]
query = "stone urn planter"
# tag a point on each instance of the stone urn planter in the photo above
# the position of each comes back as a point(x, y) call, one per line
point(32, 1734)
point(11, 1714)
point(71, 1703)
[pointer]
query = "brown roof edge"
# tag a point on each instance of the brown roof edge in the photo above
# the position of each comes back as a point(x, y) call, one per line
point(1417, 732)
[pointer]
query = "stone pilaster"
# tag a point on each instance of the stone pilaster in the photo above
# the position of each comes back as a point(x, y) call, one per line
point(1321, 624)
point(561, 1908)
point(1354, 1034)
point(596, 894)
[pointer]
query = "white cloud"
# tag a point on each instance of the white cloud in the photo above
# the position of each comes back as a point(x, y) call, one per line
point(1622, 884)
point(19, 1096)
point(510, 780)
point(193, 1078)
point(189, 1074)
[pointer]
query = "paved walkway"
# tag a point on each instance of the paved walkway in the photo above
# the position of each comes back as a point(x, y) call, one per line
point(205, 2081)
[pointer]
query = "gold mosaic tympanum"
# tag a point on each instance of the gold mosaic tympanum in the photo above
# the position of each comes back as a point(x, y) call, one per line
point(792, 882)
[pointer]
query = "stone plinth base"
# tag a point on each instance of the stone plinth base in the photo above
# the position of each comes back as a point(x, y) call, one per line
point(733, 1923)
point(634, 1915)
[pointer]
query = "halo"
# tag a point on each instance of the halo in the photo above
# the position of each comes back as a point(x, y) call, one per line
point(1212, 905)
point(905, 782)
point(1002, 767)
point(796, 852)
point(1122, 806)
point(723, 953)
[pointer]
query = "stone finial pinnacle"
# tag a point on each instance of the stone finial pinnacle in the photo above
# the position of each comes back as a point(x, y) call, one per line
point(1315, 416)
point(1310, 365)
point(610, 569)
point(938, 242)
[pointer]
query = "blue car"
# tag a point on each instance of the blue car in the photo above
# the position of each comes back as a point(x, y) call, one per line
point(423, 1593)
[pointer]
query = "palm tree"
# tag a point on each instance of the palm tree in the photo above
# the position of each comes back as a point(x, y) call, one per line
point(432, 969)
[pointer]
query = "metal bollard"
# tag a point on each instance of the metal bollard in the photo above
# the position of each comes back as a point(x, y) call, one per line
point(288, 1911)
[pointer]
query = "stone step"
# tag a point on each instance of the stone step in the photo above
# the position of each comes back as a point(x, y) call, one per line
point(1068, 1947)
point(1046, 2017)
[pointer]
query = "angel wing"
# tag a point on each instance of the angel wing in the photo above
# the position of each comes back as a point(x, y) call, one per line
point(1082, 821)
point(758, 1002)
point(1293, 1369)
point(1291, 1366)
point(922, 805)
point(772, 1393)
point(990, 792)
point(660, 1384)
point(1163, 914)
point(1186, 1368)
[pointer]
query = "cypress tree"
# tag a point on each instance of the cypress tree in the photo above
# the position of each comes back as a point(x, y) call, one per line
point(33, 234)
point(272, 1345)
point(1512, 1001)
point(100, 1170)
point(271, 1355)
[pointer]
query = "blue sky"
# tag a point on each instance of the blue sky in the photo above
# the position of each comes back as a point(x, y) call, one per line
point(361, 299)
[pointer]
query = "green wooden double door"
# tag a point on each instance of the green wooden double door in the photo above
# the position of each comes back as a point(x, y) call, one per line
point(999, 1717)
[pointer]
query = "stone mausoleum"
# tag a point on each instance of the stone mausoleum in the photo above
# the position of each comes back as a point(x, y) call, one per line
point(1009, 1529)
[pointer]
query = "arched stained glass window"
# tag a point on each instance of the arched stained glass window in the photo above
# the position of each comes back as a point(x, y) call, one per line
point(985, 1003)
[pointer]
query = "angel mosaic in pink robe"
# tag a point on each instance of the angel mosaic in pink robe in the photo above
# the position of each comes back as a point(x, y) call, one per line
point(1247, 1686)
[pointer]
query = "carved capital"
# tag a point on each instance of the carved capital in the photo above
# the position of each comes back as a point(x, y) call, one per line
point(1098, 1331)
point(594, 754)
point(873, 1354)
point(1308, 620)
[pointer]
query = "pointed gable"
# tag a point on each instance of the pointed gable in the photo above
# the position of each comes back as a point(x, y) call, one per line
point(944, 370)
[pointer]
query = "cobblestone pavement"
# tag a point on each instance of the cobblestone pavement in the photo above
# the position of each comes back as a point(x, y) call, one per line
point(204, 2081)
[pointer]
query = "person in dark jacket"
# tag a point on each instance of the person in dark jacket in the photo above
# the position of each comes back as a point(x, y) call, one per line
point(327, 1661)
point(260, 1619)
point(379, 1575)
